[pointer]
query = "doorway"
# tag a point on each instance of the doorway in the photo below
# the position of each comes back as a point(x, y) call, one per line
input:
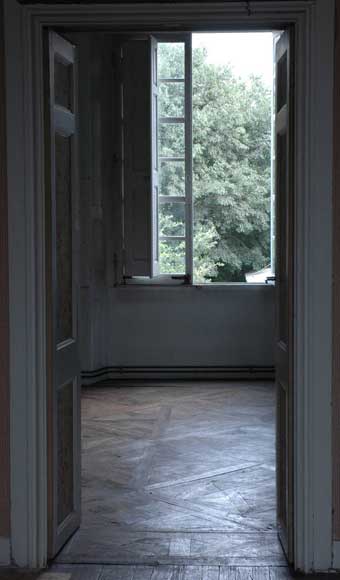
point(211, 192)
point(300, 19)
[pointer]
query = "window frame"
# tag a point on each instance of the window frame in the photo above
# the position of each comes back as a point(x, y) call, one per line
point(187, 279)
point(187, 199)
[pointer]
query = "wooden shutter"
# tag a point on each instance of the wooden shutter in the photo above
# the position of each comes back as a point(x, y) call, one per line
point(62, 293)
point(140, 183)
point(284, 288)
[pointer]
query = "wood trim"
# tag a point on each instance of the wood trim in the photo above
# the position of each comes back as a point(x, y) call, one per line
point(4, 316)
point(182, 373)
point(156, 16)
point(336, 289)
point(336, 555)
point(27, 305)
point(94, 2)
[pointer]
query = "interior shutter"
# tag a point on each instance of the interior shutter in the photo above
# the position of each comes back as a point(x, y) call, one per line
point(140, 176)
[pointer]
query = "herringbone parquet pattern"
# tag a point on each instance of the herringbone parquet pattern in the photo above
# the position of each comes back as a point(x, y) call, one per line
point(178, 474)
point(178, 484)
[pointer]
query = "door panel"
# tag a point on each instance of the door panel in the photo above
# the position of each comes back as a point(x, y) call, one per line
point(63, 164)
point(284, 290)
point(65, 451)
point(62, 291)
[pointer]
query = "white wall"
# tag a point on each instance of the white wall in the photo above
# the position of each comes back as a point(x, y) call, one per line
point(221, 326)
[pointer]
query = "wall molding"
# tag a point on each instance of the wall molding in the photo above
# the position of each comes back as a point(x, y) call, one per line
point(336, 555)
point(313, 303)
point(121, 373)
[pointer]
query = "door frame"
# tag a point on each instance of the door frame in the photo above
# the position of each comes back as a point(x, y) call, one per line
point(313, 21)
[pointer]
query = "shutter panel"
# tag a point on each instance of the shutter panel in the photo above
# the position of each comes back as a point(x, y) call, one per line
point(140, 178)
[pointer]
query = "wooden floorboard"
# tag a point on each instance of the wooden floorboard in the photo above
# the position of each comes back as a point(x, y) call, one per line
point(142, 572)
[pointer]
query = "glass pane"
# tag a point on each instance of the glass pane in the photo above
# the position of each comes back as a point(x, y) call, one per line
point(171, 99)
point(171, 60)
point(172, 219)
point(172, 178)
point(232, 137)
point(171, 139)
point(65, 451)
point(172, 257)
point(63, 84)
point(64, 236)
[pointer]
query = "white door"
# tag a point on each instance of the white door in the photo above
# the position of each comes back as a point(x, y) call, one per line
point(62, 291)
point(284, 289)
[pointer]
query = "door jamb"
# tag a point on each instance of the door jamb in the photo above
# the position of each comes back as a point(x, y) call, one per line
point(313, 20)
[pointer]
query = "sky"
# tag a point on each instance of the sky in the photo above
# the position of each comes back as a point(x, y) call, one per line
point(247, 52)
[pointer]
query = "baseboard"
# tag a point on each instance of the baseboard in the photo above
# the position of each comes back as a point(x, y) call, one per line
point(5, 552)
point(177, 373)
point(336, 555)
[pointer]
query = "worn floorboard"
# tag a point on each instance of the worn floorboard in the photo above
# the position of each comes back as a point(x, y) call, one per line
point(142, 572)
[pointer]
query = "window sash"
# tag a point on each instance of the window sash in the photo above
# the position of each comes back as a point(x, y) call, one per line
point(172, 199)
point(186, 158)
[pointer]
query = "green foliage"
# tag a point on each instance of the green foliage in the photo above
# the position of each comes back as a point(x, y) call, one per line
point(231, 167)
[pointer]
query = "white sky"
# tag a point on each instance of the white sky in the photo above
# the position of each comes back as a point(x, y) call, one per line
point(247, 52)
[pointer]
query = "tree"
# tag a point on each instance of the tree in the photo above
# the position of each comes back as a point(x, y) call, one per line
point(231, 168)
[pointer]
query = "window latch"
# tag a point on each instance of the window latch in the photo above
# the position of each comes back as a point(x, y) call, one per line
point(270, 279)
point(185, 277)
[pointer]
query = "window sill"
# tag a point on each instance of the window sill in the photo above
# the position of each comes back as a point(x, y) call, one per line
point(166, 283)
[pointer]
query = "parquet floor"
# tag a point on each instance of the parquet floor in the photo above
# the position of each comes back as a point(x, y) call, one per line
point(178, 474)
point(178, 484)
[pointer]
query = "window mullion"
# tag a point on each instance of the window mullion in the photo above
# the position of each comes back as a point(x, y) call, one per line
point(172, 238)
point(165, 80)
point(174, 159)
point(177, 208)
point(171, 120)
point(172, 199)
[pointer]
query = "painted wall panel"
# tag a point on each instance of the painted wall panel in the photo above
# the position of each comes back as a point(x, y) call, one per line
point(231, 326)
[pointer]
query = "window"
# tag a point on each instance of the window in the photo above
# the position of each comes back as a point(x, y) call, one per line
point(198, 199)
point(174, 150)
